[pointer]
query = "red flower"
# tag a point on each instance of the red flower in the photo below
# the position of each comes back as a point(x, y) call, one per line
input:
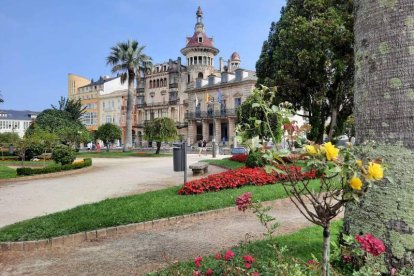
point(229, 255)
point(247, 265)
point(209, 272)
point(255, 273)
point(346, 259)
point(218, 256)
point(312, 262)
point(244, 201)
point(197, 261)
point(197, 273)
point(371, 244)
point(239, 158)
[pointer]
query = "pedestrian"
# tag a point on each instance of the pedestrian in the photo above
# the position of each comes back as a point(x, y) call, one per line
point(205, 147)
point(200, 147)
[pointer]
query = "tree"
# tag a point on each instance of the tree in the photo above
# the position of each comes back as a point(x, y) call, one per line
point(128, 59)
point(72, 107)
point(309, 57)
point(45, 139)
point(249, 114)
point(160, 130)
point(108, 133)
point(384, 106)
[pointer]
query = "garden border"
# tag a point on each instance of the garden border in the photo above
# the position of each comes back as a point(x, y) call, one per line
point(94, 235)
point(45, 175)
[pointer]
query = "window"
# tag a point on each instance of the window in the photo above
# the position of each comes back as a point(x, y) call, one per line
point(108, 119)
point(200, 39)
point(188, 78)
point(237, 102)
point(200, 75)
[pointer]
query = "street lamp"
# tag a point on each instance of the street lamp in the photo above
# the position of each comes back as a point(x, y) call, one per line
point(214, 131)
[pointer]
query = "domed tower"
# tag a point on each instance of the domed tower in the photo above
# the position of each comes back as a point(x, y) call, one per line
point(234, 62)
point(199, 51)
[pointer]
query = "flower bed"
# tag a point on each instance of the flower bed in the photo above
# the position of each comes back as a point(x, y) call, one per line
point(239, 158)
point(238, 178)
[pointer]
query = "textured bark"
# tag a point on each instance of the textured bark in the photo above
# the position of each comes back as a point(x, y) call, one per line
point(384, 108)
point(326, 251)
point(130, 105)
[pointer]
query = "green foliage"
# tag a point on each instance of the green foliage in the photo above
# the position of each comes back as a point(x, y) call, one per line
point(255, 159)
point(54, 168)
point(72, 107)
point(160, 130)
point(309, 56)
point(249, 114)
point(108, 133)
point(8, 138)
point(225, 163)
point(63, 154)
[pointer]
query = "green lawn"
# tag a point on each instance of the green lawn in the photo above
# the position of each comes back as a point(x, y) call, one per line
point(119, 154)
point(6, 172)
point(27, 163)
point(137, 208)
point(225, 163)
point(300, 245)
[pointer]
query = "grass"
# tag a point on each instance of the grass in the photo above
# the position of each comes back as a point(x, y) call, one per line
point(301, 245)
point(6, 172)
point(131, 209)
point(40, 163)
point(120, 154)
point(225, 163)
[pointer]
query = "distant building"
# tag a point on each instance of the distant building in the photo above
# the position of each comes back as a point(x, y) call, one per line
point(16, 121)
point(186, 93)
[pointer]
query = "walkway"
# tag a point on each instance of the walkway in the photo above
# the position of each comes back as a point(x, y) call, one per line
point(140, 253)
point(109, 177)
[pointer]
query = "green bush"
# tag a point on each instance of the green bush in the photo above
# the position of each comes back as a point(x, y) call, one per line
point(33, 150)
point(63, 154)
point(255, 159)
point(55, 168)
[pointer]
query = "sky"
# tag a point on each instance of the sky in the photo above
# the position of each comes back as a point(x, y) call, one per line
point(42, 41)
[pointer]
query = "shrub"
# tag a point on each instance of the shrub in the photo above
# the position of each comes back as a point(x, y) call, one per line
point(63, 154)
point(33, 150)
point(239, 158)
point(55, 168)
point(255, 159)
point(241, 177)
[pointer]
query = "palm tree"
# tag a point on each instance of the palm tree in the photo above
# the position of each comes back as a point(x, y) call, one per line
point(128, 59)
point(384, 107)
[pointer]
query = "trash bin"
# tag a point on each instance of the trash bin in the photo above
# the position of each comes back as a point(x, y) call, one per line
point(178, 157)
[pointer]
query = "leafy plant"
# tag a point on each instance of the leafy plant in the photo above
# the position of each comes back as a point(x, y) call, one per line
point(255, 159)
point(63, 154)
point(108, 133)
point(160, 130)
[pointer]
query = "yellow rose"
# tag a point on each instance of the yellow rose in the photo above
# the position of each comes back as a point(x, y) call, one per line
point(331, 151)
point(355, 183)
point(375, 171)
point(311, 150)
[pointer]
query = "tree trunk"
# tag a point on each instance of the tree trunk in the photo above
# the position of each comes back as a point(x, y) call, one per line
point(158, 148)
point(334, 115)
point(326, 251)
point(130, 106)
point(384, 106)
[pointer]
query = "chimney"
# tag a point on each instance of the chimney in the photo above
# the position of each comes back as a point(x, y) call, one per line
point(179, 64)
point(221, 64)
point(224, 76)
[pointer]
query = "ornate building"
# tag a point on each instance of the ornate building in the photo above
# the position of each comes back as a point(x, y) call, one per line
point(198, 96)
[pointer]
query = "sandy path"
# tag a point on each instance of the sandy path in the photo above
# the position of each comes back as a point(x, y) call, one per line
point(140, 253)
point(109, 177)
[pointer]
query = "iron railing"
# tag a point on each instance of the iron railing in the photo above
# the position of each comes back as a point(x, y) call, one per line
point(211, 114)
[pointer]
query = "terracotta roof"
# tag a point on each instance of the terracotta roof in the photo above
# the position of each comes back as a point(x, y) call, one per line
point(193, 41)
point(235, 56)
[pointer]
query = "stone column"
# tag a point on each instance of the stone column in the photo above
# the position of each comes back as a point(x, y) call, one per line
point(192, 132)
point(205, 126)
point(218, 131)
point(232, 131)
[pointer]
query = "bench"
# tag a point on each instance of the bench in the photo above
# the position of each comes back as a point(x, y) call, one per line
point(199, 168)
point(46, 156)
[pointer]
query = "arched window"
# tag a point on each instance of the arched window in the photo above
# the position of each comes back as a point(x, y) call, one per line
point(165, 82)
point(162, 83)
point(188, 78)
point(204, 60)
point(150, 84)
point(200, 75)
point(158, 83)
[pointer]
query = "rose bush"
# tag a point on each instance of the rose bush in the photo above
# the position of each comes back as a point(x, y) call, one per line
point(239, 158)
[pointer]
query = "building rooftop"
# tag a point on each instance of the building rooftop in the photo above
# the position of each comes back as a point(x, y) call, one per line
point(101, 81)
point(10, 114)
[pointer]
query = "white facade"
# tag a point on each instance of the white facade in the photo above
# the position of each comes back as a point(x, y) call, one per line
point(114, 85)
point(16, 121)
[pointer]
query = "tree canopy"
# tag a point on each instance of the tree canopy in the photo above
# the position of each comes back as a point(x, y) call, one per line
point(160, 130)
point(72, 107)
point(248, 114)
point(309, 57)
point(108, 133)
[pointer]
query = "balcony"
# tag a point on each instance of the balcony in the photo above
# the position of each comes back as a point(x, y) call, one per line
point(140, 90)
point(173, 85)
point(153, 104)
point(210, 114)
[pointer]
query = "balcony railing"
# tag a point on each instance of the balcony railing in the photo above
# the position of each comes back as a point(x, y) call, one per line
point(173, 85)
point(166, 103)
point(210, 114)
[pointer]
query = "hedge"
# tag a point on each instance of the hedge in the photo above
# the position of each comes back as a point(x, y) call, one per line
point(55, 168)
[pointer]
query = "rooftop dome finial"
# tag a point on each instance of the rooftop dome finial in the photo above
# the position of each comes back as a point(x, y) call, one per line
point(199, 12)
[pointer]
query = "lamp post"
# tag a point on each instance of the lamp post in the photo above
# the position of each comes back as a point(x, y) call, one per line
point(214, 131)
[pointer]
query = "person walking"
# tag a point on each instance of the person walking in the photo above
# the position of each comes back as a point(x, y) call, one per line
point(200, 147)
point(205, 147)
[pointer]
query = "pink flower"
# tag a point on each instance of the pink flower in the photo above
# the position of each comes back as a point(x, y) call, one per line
point(244, 201)
point(371, 244)
point(248, 259)
point(247, 265)
point(209, 272)
point(229, 255)
point(218, 256)
point(197, 261)
point(312, 262)
point(197, 273)
point(255, 273)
